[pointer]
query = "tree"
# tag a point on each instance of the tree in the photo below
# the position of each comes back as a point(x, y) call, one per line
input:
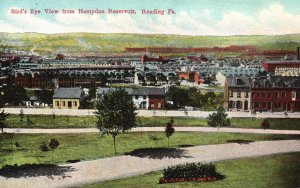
point(53, 144)
point(115, 113)
point(169, 130)
point(3, 116)
point(265, 124)
point(28, 120)
point(178, 96)
point(45, 95)
point(92, 92)
point(21, 115)
point(218, 119)
point(14, 94)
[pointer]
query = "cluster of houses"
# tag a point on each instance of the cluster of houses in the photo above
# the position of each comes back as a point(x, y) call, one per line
point(147, 98)
point(270, 93)
point(249, 84)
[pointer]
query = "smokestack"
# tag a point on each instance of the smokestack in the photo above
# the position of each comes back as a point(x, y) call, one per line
point(298, 53)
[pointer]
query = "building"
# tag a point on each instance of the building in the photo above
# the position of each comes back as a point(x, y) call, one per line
point(270, 66)
point(287, 71)
point(149, 98)
point(37, 78)
point(236, 72)
point(275, 94)
point(237, 94)
point(67, 98)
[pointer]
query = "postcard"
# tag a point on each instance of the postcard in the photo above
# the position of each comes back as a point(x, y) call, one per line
point(149, 93)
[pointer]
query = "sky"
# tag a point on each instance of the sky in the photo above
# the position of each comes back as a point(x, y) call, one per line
point(193, 17)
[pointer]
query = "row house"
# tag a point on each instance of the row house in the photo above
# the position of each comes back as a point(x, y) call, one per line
point(71, 78)
point(237, 94)
point(149, 98)
point(271, 93)
point(275, 94)
point(236, 71)
point(155, 78)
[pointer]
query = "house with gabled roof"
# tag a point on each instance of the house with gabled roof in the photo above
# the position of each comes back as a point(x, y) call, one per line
point(150, 98)
point(67, 98)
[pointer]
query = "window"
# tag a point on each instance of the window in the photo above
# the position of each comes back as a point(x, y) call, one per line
point(263, 94)
point(246, 94)
point(144, 97)
point(238, 94)
point(257, 94)
point(269, 94)
point(264, 104)
point(269, 105)
point(231, 93)
point(276, 94)
point(136, 97)
point(256, 105)
point(283, 94)
point(159, 105)
point(63, 103)
point(231, 104)
point(239, 104)
point(246, 105)
point(75, 103)
point(57, 103)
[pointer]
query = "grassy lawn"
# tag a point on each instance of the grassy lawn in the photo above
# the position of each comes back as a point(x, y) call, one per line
point(275, 171)
point(47, 121)
point(93, 145)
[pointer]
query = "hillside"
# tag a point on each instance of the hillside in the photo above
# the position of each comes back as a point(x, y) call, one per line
point(103, 43)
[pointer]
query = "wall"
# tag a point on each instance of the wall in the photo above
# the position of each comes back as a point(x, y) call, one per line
point(64, 103)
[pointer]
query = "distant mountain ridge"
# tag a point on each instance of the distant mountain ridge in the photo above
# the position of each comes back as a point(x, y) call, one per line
point(115, 43)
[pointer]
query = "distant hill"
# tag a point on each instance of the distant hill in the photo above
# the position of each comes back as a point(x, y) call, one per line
point(102, 43)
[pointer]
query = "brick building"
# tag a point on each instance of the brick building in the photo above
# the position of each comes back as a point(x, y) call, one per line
point(275, 94)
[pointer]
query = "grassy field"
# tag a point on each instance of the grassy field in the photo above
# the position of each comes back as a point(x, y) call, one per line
point(94, 145)
point(113, 43)
point(275, 171)
point(44, 121)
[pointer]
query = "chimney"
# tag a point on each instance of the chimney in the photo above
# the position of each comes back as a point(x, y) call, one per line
point(298, 53)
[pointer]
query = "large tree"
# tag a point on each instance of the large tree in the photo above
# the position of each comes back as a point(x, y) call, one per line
point(115, 113)
point(218, 119)
point(3, 115)
point(179, 96)
point(45, 95)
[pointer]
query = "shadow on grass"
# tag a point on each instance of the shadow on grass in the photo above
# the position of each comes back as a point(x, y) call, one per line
point(240, 141)
point(185, 145)
point(158, 153)
point(35, 170)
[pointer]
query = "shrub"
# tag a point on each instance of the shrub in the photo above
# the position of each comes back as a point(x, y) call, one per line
point(190, 172)
point(44, 146)
point(53, 144)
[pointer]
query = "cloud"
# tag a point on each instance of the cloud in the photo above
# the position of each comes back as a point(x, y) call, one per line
point(275, 20)
point(271, 20)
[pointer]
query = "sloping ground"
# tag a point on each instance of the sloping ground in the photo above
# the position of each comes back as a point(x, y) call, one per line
point(101, 43)
point(125, 166)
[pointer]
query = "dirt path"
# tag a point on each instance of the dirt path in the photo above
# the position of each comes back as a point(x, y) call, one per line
point(124, 166)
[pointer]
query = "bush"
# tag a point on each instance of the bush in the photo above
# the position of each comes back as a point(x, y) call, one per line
point(53, 144)
point(44, 146)
point(190, 172)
